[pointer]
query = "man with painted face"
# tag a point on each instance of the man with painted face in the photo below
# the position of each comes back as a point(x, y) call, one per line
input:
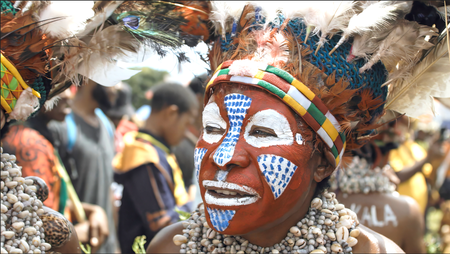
point(282, 109)
point(152, 178)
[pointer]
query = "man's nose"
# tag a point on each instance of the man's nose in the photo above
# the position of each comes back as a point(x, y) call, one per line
point(239, 157)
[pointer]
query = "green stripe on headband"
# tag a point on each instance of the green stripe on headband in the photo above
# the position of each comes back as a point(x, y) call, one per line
point(280, 73)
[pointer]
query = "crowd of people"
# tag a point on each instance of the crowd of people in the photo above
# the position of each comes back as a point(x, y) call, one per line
point(79, 151)
point(297, 129)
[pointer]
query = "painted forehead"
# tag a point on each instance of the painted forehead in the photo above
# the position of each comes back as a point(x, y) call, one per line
point(261, 100)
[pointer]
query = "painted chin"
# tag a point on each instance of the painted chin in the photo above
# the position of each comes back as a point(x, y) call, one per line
point(225, 194)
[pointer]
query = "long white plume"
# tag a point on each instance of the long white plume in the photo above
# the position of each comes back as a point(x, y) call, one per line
point(430, 78)
point(377, 16)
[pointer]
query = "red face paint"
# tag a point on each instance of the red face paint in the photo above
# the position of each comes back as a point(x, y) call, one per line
point(244, 170)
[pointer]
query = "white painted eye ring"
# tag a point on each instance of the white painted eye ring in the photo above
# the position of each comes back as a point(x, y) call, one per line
point(273, 120)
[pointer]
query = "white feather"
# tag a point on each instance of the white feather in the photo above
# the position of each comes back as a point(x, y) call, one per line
point(49, 104)
point(25, 106)
point(403, 43)
point(303, 10)
point(236, 8)
point(377, 16)
point(219, 16)
point(331, 16)
point(430, 78)
point(99, 18)
point(74, 13)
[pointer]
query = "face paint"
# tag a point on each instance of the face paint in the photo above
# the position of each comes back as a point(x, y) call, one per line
point(234, 196)
point(299, 138)
point(198, 157)
point(212, 120)
point(236, 105)
point(238, 183)
point(278, 172)
point(220, 218)
point(274, 121)
point(221, 175)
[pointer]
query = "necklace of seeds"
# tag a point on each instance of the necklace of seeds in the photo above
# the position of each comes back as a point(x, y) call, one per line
point(22, 229)
point(358, 177)
point(328, 227)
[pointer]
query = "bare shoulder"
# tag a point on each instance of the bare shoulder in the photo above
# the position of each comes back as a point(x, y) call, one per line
point(163, 243)
point(370, 241)
point(413, 206)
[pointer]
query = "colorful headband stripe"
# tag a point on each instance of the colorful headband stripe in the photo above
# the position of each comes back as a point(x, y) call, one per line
point(12, 85)
point(293, 92)
point(17, 75)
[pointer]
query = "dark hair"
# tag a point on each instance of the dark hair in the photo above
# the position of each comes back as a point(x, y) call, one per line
point(167, 94)
point(197, 85)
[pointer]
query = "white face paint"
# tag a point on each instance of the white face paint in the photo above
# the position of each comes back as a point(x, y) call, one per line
point(299, 139)
point(269, 119)
point(212, 119)
point(230, 194)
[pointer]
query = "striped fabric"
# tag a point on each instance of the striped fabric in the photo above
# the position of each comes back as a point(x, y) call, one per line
point(12, 85)
point(294, 93)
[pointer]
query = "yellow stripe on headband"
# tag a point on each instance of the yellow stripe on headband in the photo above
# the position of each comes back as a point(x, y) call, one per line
point(293, 103)
point(303, 89)
point(17, 75)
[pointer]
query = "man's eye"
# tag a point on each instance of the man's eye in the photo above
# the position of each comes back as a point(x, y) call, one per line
point(214, 130)
point(262, 132)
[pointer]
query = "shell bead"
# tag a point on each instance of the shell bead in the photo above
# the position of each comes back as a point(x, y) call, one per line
point(317, 232)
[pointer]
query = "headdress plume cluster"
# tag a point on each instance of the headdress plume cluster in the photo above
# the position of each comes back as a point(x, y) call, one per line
point(47, 46)
point(359, 57)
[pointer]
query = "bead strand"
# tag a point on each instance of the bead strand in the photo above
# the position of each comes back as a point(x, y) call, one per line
point(328, 227)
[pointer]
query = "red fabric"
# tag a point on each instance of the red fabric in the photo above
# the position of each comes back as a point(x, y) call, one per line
point(123, 127)
point(35, 155)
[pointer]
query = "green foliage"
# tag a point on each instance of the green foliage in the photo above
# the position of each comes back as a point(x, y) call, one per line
point(87, 249)
point(138, 244)
point(142, 82)
point(183, 215)
point(432, 239)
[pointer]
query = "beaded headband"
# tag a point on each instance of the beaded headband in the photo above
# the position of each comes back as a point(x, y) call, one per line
point(293, 92)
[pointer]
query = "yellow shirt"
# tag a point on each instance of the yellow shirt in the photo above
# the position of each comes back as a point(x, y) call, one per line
point(416, 187)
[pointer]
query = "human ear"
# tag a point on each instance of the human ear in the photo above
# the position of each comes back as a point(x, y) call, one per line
point(172, 111)
point(326, 165)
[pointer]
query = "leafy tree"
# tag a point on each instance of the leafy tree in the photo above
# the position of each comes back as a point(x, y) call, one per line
point(142, 82)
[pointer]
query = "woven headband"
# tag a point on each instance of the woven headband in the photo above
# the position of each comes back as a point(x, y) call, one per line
point(293, 92)
point(12, 85)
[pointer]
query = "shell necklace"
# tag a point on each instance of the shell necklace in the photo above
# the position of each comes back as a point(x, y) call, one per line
point(22, 229)
point(358, 177)
point(327, 227)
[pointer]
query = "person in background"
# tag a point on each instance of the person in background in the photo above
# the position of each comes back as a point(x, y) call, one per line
point(184, 151)
point(367, 186)
point(152, 179)
point(34, 145)
point(410, 162)
point(87, 149)
point(122, 114)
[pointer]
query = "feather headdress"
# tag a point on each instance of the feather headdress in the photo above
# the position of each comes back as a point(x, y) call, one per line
point(356, 56)
point(69, 38)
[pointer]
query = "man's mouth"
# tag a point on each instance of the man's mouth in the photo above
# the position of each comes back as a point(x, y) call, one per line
point(228, 194)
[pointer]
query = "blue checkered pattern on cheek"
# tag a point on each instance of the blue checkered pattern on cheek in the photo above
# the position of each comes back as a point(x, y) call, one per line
point(277, 171)
point(198, 158)
point(237, 106)
point(220, 219)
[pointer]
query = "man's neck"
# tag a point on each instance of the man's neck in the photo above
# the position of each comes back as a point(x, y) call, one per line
point(153, 125)
point(84, 106)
